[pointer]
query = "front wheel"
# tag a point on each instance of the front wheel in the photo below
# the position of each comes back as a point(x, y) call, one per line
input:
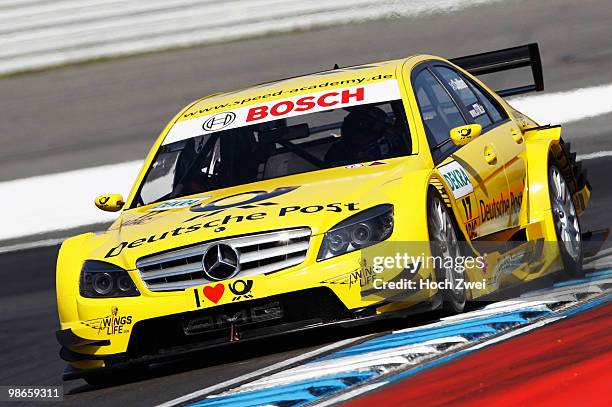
point(444, 246)
point(567, 225)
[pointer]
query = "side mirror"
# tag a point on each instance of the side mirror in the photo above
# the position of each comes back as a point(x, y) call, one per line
point(110, 202)
point(464, 134)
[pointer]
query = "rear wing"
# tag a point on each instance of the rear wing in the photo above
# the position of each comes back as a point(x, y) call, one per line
point(504, 60)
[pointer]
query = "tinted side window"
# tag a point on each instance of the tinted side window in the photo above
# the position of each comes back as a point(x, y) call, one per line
point(464, 95)
point(438, 111)
point(496, 113)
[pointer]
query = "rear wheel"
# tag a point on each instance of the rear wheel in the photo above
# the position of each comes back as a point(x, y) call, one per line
point(444, 245)
point(567, 225)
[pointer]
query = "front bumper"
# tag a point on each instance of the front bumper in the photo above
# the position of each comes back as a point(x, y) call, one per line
point(165, 338)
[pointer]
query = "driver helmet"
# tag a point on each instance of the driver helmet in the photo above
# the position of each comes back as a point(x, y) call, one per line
point(365, 129)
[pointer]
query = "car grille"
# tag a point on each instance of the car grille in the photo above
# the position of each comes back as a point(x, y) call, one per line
point(257, 254)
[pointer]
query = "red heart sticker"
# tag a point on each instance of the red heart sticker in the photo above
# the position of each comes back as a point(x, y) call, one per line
point(214, 293)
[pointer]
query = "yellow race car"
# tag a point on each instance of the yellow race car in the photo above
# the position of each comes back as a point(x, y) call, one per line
point(320, 200)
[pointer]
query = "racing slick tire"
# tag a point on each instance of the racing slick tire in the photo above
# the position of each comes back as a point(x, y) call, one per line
point(566, 222)
point(443, 237)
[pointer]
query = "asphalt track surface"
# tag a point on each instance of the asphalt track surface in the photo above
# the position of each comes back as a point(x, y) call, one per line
point(112, 111)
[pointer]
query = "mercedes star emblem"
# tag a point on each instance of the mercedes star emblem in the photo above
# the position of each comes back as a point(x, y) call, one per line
point(220, 262)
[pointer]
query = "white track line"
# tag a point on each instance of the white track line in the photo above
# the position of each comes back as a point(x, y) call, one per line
point(30, 245)
point(591, 156)
point(565, 107)
point(61, 201)
point(64, 201)
point(272, 368)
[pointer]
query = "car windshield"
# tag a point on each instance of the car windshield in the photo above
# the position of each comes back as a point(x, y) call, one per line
point(275, 148)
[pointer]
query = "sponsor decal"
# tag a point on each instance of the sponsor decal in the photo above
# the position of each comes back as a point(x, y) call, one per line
point(516, 200)
point(260, 313)
point(382, 89)
point(139, 220)
point(306, 104)
point(457, 84)
point(241, 289)
point(456, 177)
point(113, 324)
point(103, 200)
point(313, 87)
point(477, 110)
point(214, 293)
point(340, 280)
point(464, 133)
point(196, 296)
point(109, 202)
point(362, 275)
point(177, 203)
point(211, 216)
point(352, 166)
point(470, 227)
point(499, 208)
point(332, 207)
point(244, 200)
point(471, 219)
point(219, 121)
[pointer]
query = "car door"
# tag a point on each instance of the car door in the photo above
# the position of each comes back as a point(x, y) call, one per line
point(471, 176)
point(499, 131)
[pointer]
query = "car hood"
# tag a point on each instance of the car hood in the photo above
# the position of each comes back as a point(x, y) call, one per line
point(317, 200)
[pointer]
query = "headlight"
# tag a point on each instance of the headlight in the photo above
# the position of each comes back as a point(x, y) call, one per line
point(361, 230)
point(105, 280)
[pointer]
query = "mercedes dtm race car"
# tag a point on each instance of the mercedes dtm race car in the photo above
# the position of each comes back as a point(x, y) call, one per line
point(316, 200)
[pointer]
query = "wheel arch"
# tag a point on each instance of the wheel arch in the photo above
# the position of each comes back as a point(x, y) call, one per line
point(541, 146)
point(436, 183)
